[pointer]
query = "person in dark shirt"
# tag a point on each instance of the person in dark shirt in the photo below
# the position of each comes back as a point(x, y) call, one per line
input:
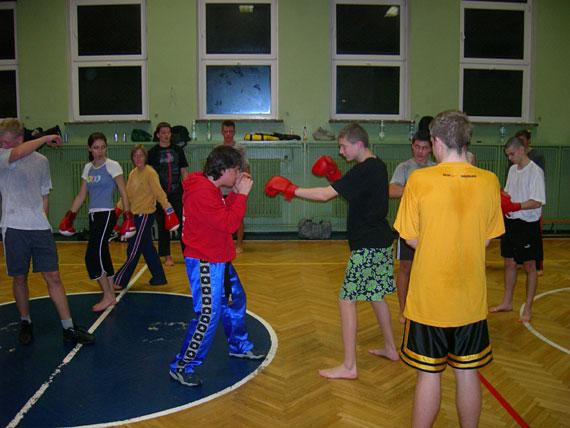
point(171, 165)
point(369, 274)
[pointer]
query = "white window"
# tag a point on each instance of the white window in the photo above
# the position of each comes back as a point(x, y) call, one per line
point(238, 59)
point(9, 103)
point(496, 59)
point(369, 73)
point(108, 67)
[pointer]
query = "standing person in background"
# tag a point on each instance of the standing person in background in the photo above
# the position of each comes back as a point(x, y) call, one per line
point(100, 177)
point(25, 184)
point(143, 192)
point(421, 158)
point(522, 205)
point(229, 132)
point(538, 158)
point(170, 163)
point(369, 275)
point(448, 213)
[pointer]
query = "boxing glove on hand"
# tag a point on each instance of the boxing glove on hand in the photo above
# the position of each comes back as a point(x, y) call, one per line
point(171, 222)
point(117, 227)
point(128, 229)
point(325, 166)
point(66, 225)
point(507, 205)
point(278, 184)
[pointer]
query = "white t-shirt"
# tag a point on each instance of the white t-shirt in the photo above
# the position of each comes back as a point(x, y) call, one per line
point(101, 184)
point(23, 184)
point(524, 184)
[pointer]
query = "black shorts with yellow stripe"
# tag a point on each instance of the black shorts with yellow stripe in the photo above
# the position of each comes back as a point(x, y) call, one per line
point(431, 349)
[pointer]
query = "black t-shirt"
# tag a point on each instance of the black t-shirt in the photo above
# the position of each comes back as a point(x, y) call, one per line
point(365, 187)
point(167, 161)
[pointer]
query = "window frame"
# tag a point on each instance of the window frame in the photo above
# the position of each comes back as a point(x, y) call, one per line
point(524, 64)
point(400, 61)
point(12, 64)
point(77, 61)
point(205, 60)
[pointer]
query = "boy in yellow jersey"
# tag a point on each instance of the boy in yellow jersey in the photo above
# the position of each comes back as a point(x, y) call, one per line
point(448, 213)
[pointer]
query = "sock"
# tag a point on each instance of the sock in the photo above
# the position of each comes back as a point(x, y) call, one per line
point(26, 318)
point(67, 323)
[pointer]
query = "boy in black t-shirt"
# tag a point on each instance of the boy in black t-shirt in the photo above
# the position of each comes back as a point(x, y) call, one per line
point(369, 274)
point(171, 165)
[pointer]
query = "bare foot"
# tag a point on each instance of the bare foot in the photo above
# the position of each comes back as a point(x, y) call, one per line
point(168, 261)
point(540, 272)
point(340, 372)
point(103, 304)
point(525, 317)
point(384, 353)
point(239, 249)
point(117, 287)
point(501, 308)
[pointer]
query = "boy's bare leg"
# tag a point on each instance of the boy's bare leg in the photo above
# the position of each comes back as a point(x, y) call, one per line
point(468, 397)
point(382, 312)
point(426, 399)
point(531, 283)
point(108, 298)
point(21, 294)
point(57, 293)
point(402, 282)
point(510, 280)
point(348, 319)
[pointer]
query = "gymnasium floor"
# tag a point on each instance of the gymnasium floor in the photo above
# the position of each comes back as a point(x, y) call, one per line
point(293, 286)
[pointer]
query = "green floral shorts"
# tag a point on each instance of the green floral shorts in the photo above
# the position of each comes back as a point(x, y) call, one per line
point(369, 275)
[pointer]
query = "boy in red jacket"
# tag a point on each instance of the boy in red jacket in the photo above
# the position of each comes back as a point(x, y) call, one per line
point(209, 221)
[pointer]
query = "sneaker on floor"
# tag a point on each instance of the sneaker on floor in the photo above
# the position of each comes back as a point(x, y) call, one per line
point(26, 333)
point(158, 282)
point(249, 355)
point(77, 334)
point(189, 379)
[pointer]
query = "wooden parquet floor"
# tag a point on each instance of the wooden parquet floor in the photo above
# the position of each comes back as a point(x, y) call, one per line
point(293, 285)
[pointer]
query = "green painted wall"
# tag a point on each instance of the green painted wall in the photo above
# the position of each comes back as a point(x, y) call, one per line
point(304, 68)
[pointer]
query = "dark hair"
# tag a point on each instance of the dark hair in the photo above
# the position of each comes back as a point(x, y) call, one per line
point(514, 142)
point(140, 147)
point(158, 127)
point(421, 135)
point(453, 128)
point(423, 124)
point(523, 133)
point(222, 158)
point(92, 138)
point(354, 133)
point(228, 123)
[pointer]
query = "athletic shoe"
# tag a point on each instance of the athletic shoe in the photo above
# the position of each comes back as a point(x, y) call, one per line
point(26, 333)
point(187, 379)
point(249, 355)
point(77, 334)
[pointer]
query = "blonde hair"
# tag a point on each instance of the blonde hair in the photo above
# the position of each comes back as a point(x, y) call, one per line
point(12, 126)
point(142, 149)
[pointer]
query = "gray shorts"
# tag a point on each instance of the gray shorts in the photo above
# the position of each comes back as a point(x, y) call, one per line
point(21, 246)
point(369, 275)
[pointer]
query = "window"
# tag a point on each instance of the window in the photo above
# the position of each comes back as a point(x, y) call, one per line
point(108, 47)
point(369, 77)
point(238, 67)
point(8, 61)
point(495, 60)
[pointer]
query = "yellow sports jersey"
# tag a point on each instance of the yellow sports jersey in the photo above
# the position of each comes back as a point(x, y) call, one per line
point(451, 209)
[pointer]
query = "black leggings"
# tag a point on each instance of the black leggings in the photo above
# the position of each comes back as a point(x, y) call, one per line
point(97, 257)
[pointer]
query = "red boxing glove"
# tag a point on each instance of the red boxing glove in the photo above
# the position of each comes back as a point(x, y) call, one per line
point(128, 229)
point(507, 205)
point(325, 166)
point(171, 222)
point(117, 227)
point(278, 184)
point(66, 225)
